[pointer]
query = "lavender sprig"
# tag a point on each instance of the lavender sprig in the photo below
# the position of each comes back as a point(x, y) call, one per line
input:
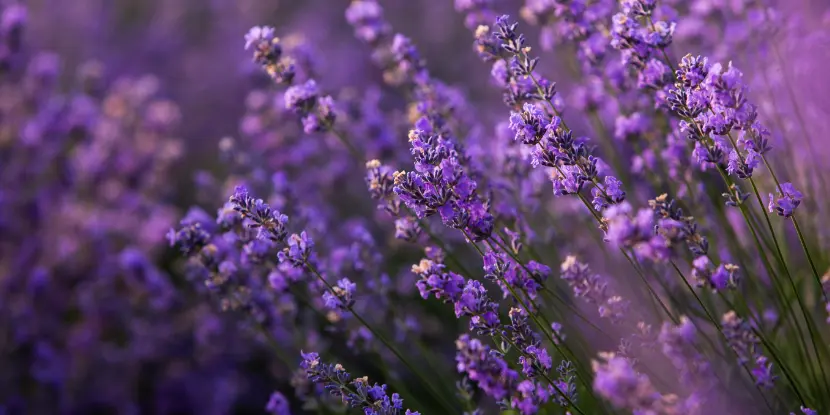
point(357, 392)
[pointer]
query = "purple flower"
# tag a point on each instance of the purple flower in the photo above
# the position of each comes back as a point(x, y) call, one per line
point(443, 183)
point(357, 392)
point(568, 180)
point(257, 35)
point(302, 98)
point(692, 71)
point(270, 223)
point(762, 372)
point(407, 229)
point(720, 278)
point(366, 17)
point(433, 279)
point(636, 232)
point(531, 124)
point(535, 357)
point(380, 181)
point(787, 201)
point(743, 166)
point(322, 119)
point(475, 303)
point(592, 288)
point(654, 75)
point(299, 250)
point(746, 345)
point(190, 238)
point(488, 370)
point(611, 193)
point(278, 405)
point(510, 275)
point(341, 296)
point(678, 344)
point(268, 54)
point(617, 381)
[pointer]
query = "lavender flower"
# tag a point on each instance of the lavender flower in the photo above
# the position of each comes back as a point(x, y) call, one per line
point(269, 223)
point(636, 232)
point(535, 358)
point(380, 181)
point(567, 383)
point(618, 382)
point(634, 34)
point(678, 344)
point(553, 143)
point(441, 184)
point(487, 369)
point(341, 296)
point(434, 279)
point(190, 238)
point(593, 288)
point(720, 278)
point(787, 201)
point(299, 250)
point(511, 276)
point(357, 393)
point(316, 112)
point(268, 53)
point(366, 16)
point(746, 345)
point(475, 303)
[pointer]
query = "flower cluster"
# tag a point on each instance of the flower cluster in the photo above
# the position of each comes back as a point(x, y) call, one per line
point(316, 111)
point(592, 288)
point(746, 344)
point(678, 344)
point(639, 37)
point(538, 124)
point(357, 392)
point(618, 381)
point(509, 275)
point(787, 201)
point(441, 184)
point(491, 373)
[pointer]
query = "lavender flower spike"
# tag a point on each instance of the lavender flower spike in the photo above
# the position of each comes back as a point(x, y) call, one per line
point(787, 201)
point(357, 392)
point(270, 223)
point(268, 54)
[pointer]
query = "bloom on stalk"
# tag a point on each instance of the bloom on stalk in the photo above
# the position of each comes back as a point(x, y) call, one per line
point(593, 288)
point(357, 392)
point(787, 200)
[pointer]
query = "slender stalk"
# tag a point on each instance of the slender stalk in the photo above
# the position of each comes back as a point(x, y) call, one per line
point(772, 349)
point(393, 349)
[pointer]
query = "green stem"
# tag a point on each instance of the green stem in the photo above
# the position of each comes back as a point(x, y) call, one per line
point(393, 349)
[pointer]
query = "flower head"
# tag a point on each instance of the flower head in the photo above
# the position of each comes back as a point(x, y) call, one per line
point(786, 202)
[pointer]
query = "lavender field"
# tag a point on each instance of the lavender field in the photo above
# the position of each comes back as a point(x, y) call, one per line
point(434, 207)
